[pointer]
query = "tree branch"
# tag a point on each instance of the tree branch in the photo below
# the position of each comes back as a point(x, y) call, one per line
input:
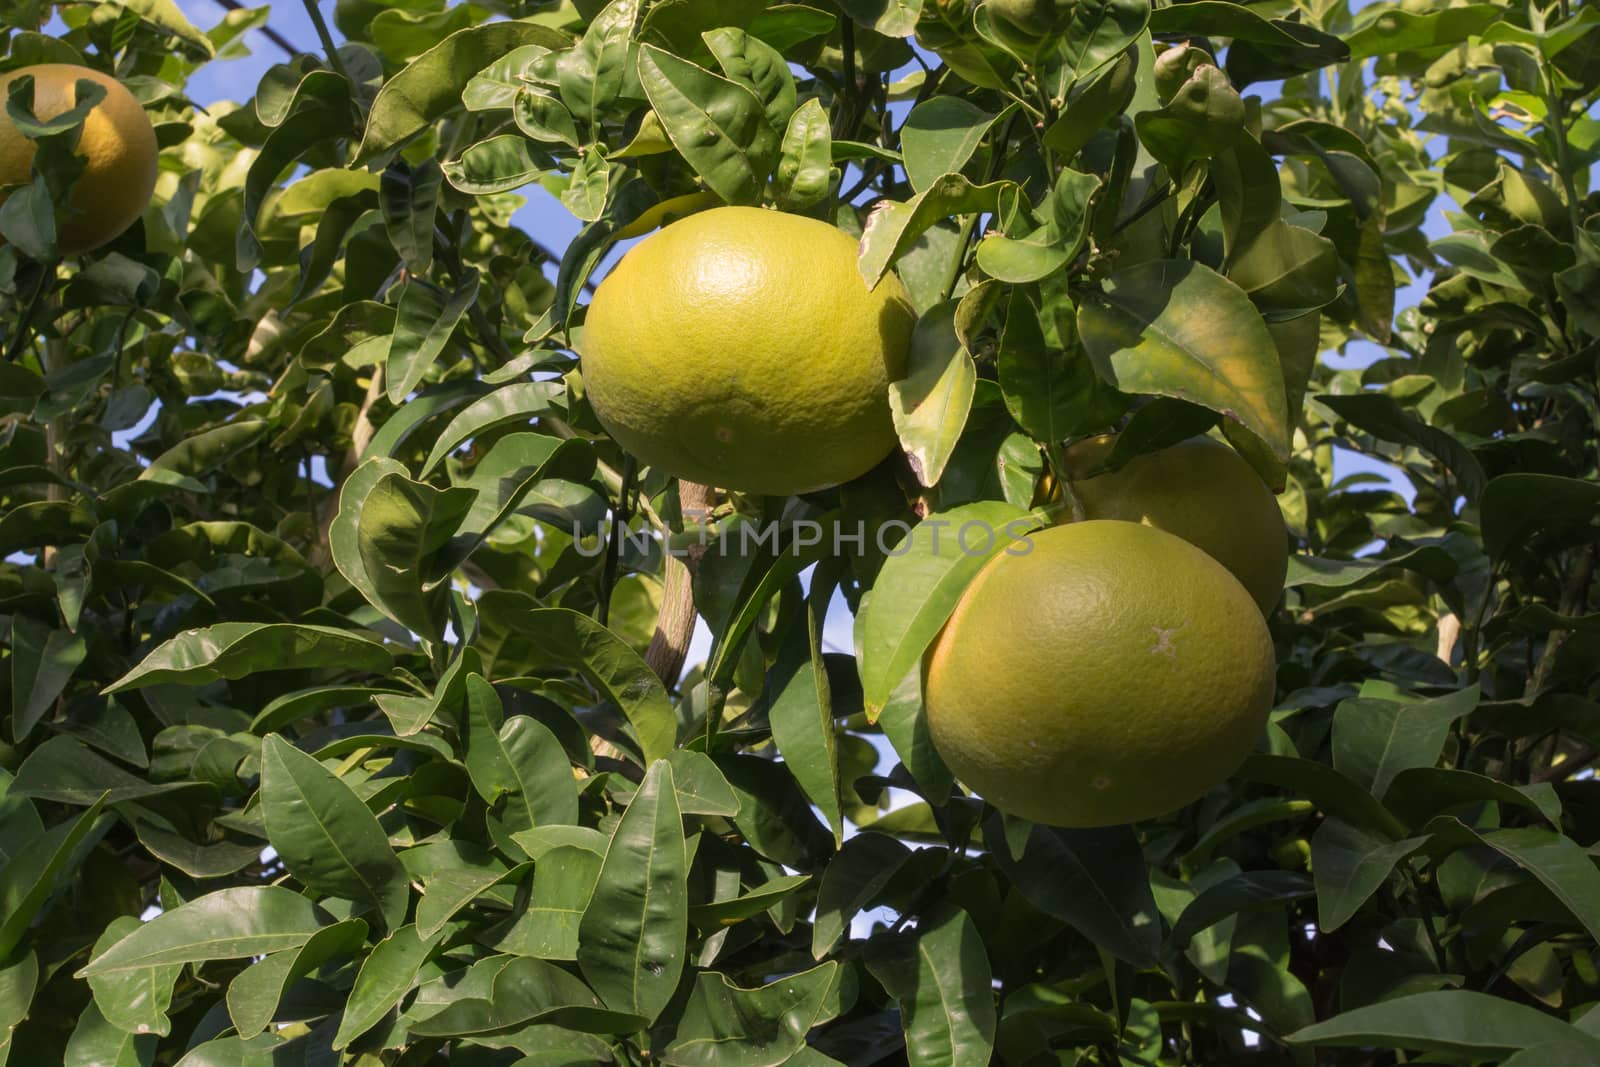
point(669, 647)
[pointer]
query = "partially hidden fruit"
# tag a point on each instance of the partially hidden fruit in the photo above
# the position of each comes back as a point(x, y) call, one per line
point(118, 145)
point(1201, 490)
point(1110, 674)
point(740, 348)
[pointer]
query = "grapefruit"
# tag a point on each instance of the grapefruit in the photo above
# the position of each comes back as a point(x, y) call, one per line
point(118, 145)
point(1112, 673)
point(1201, 490)
point(740, 348)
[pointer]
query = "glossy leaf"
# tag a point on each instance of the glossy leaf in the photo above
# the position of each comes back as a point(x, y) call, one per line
point(235, 649)
point(225, 924)
point(1145, 336)
point(325, 835)
point(631, 940)
point(920, 585)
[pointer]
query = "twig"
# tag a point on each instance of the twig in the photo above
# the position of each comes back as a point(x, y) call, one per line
point(286, 45)
point(327, 39)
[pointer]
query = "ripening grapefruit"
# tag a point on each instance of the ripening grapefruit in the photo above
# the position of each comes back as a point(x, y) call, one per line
point(1113, 673)
point(1204, 492)
point(118, 145)
point(740, 348)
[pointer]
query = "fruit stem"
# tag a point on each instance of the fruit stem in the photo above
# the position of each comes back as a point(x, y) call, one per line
point(327, 40)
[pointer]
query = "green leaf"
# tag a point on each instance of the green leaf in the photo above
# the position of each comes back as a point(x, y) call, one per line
point(939, 136)
point(1385, 419)
point(1176, 328)
point(518, 403)
point(496, 164)
point(1332, 792)
point(65, 771)
point(322, 113)
point(325, 834)
point(893, 228)
point(1216, 899)
point(1286, 269)
point(1389, 29)
point(430, 86)
point(1094, 33)
point(422, 328)
point(853, 881)
point(762, 898)
point(518, 637)
point(1516, 507)
point(521, 761)
point(97, 1043)
point(237, 649)
point(410, 198)
point(801, 714)
point(1373, 740)
point(543, 117)
point(1452, 1021)
point(1558, 862)
point(564, 877)
point(725, 1025)
point(633, 938)
point(401, 529)
point(255, 992)
point(223, 925)
point(27, 882)
point(42, 663)
point(1350, 865)
point(892, 18)
point(931, 403)
point(201, 453)
point(594, 74)
point(942, 980)
point(1419, 794)
point(805, 164)
point(919, 587)
point(133, 1001)
point(1050, 247)
point(1050, 389)
point(752, 62)
point(702, 790)
point(387, 974)
point(717, 125)
point(167, 17)
point(19, 978)
point(1093, 880)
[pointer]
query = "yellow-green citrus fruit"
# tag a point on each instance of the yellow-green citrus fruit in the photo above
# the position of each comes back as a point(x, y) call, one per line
point(740, 348)
point(1204, 492)
point(118, 145)
point(1110, 674)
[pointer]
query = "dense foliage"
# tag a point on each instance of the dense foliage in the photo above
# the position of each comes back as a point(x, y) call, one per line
point(318, 651)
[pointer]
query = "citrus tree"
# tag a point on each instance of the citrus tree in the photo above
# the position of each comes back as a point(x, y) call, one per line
point(347, 716)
